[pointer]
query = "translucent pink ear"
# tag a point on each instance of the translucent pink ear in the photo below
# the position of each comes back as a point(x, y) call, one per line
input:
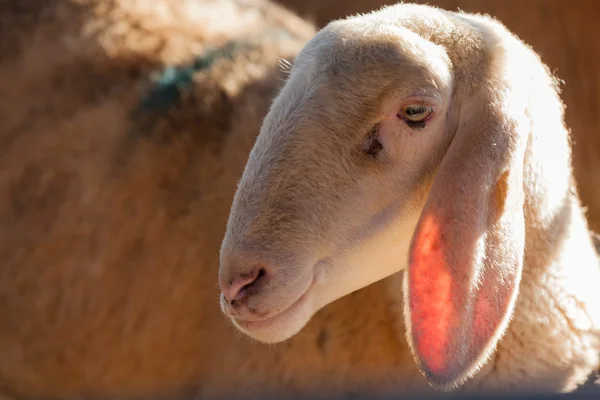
point(466, 254)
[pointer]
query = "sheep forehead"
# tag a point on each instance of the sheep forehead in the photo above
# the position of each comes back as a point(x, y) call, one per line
point(355, 62)
point(402, 35)
point(355, 59)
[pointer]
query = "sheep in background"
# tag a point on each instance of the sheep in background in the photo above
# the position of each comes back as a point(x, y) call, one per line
point(413, 119)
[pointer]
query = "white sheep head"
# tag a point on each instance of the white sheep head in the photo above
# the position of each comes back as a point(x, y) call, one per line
point(397, 143)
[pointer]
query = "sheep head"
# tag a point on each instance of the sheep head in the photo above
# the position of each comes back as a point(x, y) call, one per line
point(397, 143)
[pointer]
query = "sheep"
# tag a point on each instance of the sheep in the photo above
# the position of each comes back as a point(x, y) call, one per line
point(115, 189)
point(427, 149)
point(564, 47)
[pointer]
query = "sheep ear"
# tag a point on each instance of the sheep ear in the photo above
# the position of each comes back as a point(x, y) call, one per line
point(466, 253)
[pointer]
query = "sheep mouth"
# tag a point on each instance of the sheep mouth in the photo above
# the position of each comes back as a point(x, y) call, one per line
point(286, 316)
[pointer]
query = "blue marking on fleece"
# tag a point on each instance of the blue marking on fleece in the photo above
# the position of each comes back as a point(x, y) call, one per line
point(167, 89)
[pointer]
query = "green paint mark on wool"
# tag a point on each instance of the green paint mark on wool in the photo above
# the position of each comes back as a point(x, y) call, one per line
point(167, 89)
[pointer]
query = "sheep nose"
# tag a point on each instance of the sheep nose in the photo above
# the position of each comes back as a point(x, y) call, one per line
point(239, 285)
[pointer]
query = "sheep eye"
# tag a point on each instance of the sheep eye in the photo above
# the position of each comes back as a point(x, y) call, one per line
point(416, 112)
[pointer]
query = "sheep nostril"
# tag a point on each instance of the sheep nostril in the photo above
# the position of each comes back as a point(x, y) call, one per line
point(239, 287)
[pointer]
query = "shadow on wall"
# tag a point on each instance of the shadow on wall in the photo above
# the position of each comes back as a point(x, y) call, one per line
point(560, 33)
